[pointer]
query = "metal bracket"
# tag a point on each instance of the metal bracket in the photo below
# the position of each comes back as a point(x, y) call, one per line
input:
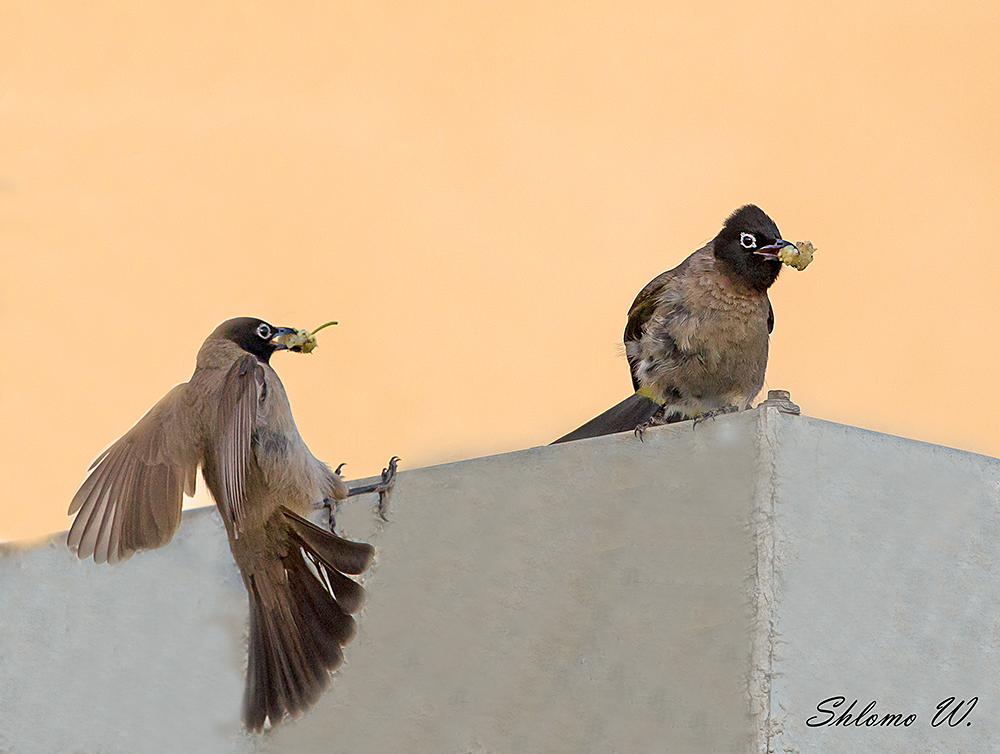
point(782, 400)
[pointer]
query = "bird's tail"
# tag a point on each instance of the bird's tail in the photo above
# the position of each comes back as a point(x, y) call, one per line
point(300, 617)
point(622, 417)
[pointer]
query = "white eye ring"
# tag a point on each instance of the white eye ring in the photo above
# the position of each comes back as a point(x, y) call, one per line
point(263, 331)
point(747, 241)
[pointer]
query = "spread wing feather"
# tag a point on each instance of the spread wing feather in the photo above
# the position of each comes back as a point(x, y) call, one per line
point(132, 497)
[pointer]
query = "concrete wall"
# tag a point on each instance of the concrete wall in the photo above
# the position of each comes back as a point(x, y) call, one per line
point(701, 591)
point(887, 585)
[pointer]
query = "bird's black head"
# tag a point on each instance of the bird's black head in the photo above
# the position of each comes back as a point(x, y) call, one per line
point(253, 335)
point(748, 243)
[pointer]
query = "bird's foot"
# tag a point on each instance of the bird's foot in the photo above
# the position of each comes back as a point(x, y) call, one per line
point(712, 414)
point(381, 487)
point(331, 520)
point(656, 420)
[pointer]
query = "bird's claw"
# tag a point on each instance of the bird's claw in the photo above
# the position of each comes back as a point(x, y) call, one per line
point(388, 480)
point(337, 470)
point(331, 521)
point(712, 414)
point(639, 430)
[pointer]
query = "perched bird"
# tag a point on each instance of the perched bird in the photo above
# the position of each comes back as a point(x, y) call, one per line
point(233, 419)
point(696, 338)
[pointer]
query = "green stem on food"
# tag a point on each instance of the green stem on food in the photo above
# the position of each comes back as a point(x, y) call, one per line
point(325, 324)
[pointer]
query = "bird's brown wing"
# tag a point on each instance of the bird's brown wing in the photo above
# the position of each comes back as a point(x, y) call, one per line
point(242, 391)
point(640, 313)
point(131, 499)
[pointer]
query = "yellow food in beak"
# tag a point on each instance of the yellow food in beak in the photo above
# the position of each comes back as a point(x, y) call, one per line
point(799, 257)
point(301, 341)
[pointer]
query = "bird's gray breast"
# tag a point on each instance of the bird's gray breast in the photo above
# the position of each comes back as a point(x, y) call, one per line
point(274, 432)
point(707, 343)
point(269, 442)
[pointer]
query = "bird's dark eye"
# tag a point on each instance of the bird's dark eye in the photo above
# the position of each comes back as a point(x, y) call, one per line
point(263, 331)
point(747, 241)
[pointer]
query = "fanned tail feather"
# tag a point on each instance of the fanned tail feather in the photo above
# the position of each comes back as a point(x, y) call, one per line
point(300, 617)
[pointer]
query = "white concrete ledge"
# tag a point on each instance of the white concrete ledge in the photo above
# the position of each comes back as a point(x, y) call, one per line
point(702, 591)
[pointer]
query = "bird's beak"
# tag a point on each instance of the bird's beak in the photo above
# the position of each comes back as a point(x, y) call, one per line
point(280, 334)
point(771, 251)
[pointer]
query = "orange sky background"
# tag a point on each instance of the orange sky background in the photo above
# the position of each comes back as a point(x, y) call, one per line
point(477, 191)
